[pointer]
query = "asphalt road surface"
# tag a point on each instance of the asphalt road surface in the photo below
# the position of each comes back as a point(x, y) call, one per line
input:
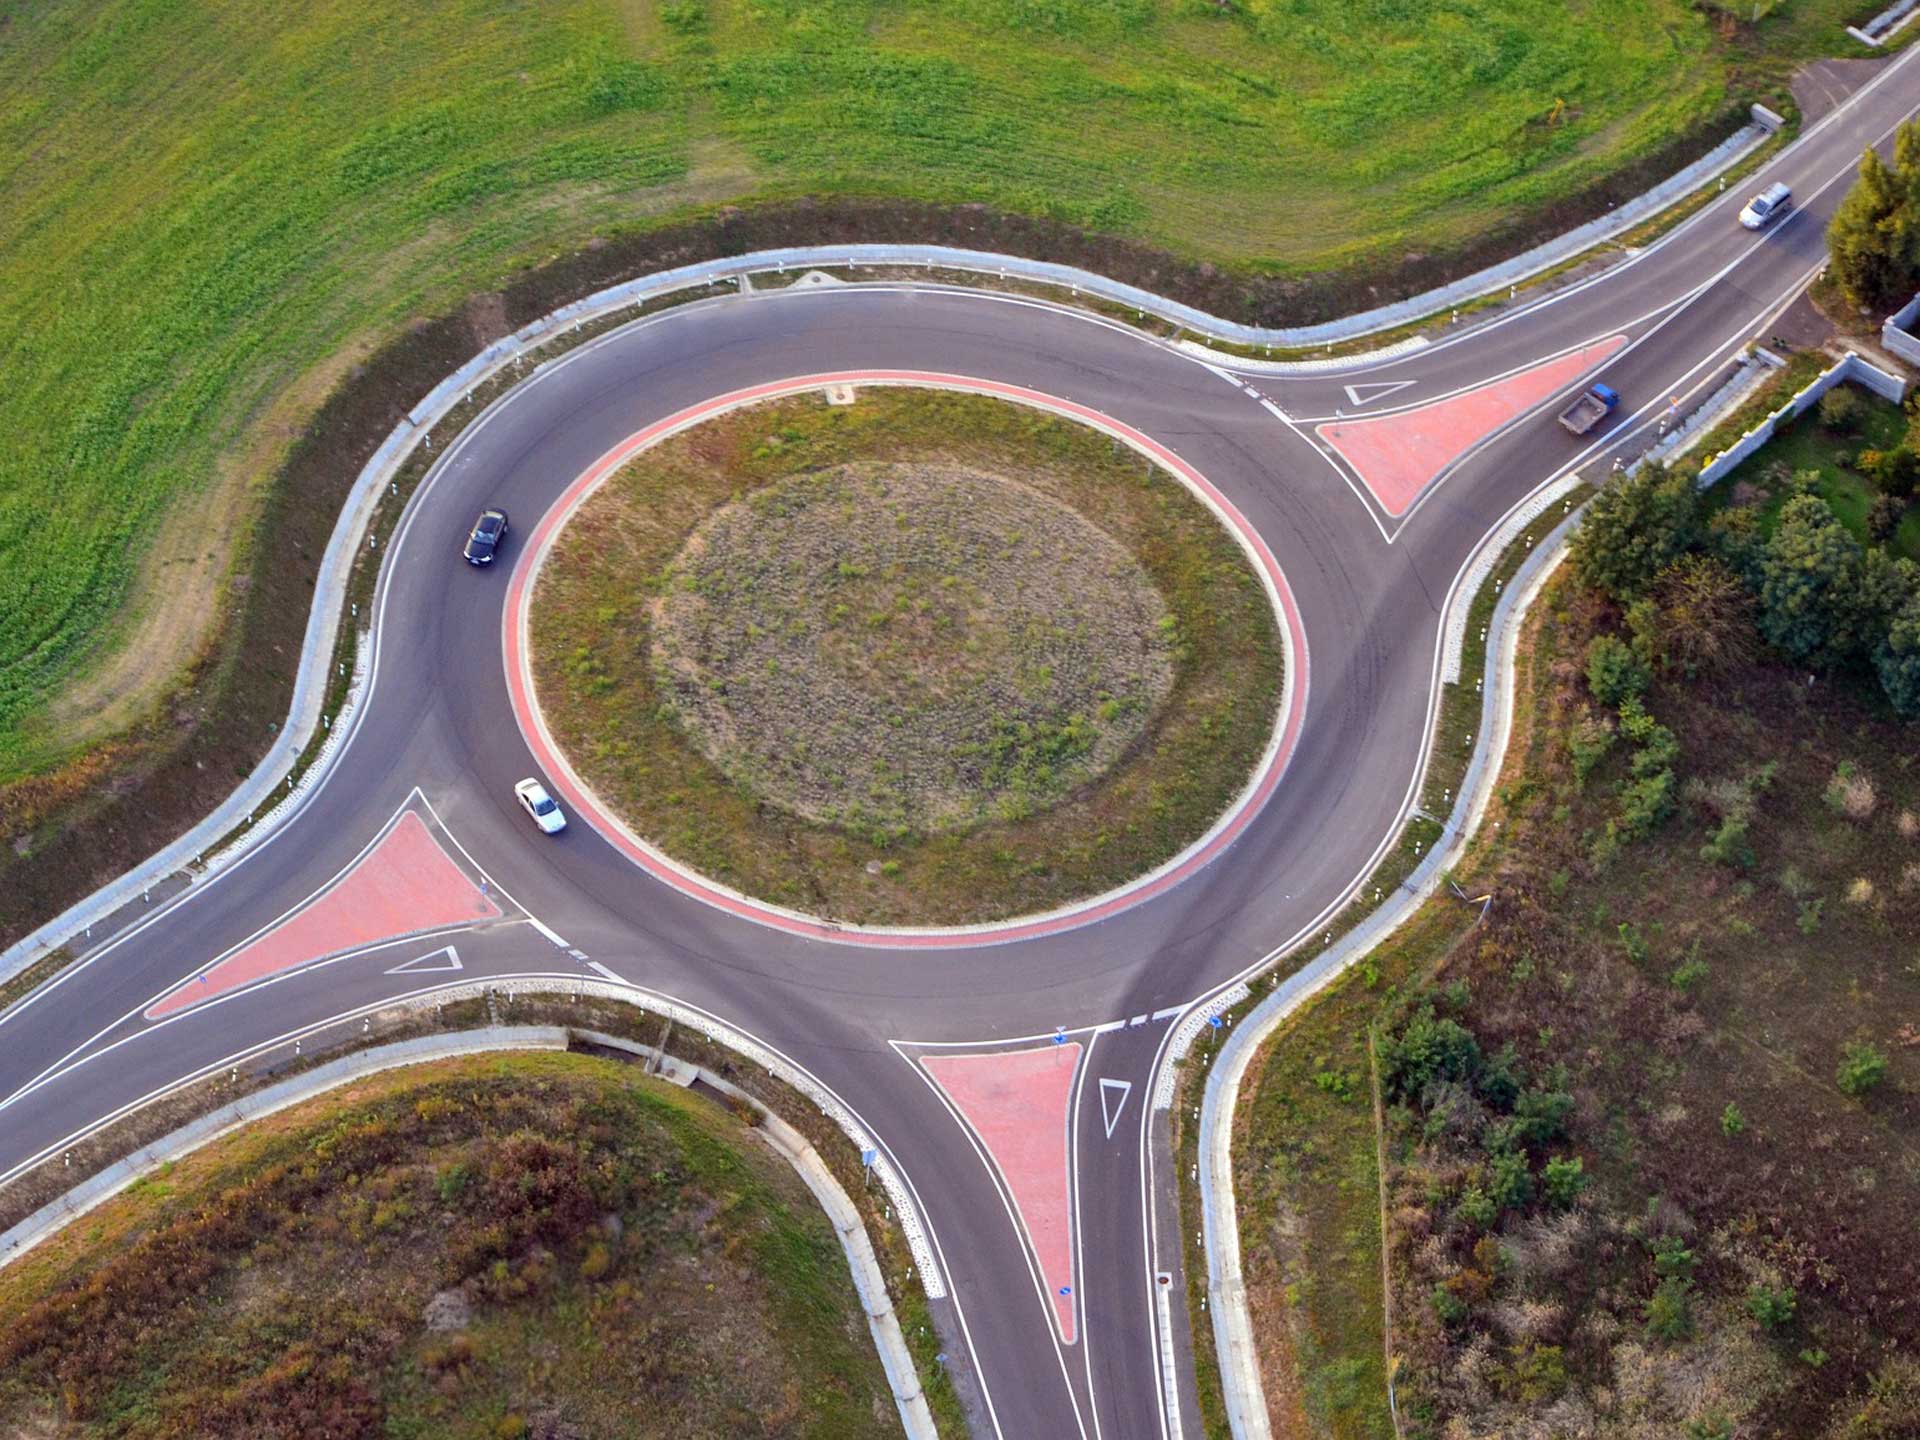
point(1040, 1172)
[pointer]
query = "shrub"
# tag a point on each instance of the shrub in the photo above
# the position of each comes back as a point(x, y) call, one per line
point(1427, 1048)
point(1807, 918)
point(1849, 792)
point(1509, 1181)
point(1771, 1305)
point(1893, 472)
point(1448, 1306)
point(1588, 742)
point(1732, 1122)
point(1669, 1310)
point(1476, 1207)
point(1862, 1066)
point(1614, 672)
point(1883, 517)
point(1563, 1179)
point(1540, 1116)
point(1842, 409)
point(1644, 804)
point(597, 1262)
point(1689, 972)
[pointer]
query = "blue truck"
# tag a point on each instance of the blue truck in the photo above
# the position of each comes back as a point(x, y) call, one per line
point(1596, 402)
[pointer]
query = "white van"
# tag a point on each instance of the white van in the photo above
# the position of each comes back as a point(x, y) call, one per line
point(1766, 207)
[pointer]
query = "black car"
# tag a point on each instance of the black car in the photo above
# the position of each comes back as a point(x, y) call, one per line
point(488, 531)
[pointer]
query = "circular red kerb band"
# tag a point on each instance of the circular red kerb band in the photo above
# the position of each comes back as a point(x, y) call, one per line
point(576, 792)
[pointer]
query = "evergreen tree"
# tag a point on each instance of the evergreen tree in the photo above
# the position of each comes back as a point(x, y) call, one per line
point(1897, 658)
point(1823, 599)
point(1636, 526)
point(1874, 237)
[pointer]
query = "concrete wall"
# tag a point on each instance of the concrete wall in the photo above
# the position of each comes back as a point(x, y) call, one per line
point(1901, 333)
point(1893, 18)
point(1850, 368)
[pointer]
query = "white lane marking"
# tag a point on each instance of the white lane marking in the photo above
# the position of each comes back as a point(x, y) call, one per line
point(1168, 1013)
point(600, 969)
point(1366, 394)
point(1113, 1099)
point(548, 932)
point(445, 958)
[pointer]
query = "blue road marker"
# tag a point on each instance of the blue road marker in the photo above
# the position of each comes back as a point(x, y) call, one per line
point(1060, 1035)
point(1214, 1021)
point(867, 1157)
point(1066, 1289)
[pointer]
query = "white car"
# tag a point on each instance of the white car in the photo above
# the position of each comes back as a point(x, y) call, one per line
point(1766, 207)
point(540, 805)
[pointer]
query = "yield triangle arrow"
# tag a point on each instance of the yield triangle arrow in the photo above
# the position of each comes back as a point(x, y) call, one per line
point(1367, 394)
point(445, 958)
point(1113, 1099)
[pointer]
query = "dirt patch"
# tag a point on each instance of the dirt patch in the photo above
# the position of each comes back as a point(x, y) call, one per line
point(818, 732)
point(908, 649)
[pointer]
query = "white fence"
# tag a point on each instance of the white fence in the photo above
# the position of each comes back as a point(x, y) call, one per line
point(1850, 369)
point(1899, 334)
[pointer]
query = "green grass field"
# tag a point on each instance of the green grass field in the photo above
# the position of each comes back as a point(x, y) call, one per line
point(208, 210)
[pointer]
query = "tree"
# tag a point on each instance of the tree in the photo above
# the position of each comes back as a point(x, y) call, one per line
point(1820, 594)
point(1704, 615)
point(1563, 1180)
point(1636, 525)
point(1874, 236)
point(1897, 658)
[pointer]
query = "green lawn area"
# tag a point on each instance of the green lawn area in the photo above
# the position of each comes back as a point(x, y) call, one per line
point(208, 210)
point(1807, 445)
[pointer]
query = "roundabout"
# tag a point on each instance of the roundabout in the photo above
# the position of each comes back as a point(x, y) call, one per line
point(925, 661)
point(1004, 1081)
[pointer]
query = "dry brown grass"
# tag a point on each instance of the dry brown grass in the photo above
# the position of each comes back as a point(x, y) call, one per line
point(908, 649)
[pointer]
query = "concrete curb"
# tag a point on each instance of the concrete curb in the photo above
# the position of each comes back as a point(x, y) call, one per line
point(782, 1138)
point(1232, 1324)
point(310, 688)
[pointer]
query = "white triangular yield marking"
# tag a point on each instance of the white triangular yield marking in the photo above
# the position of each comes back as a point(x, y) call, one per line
point(1367, 394)
point(1110, 1109)
point(445, 958)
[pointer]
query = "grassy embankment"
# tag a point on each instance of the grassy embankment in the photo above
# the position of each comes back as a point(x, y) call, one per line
point(208, 214)
point(593, 637)
point(604, 1247)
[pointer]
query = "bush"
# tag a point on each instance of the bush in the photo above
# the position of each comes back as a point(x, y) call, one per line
point(1614, 672)
point(1771, 1305)
point(1476, 1207)
point(1669, 1310)
point(1645, 804)
point(1448, 1306)
point(1842, 409)
point(1424, 1050)
point(1563, 1180)
point(1883, 517)
point(1588, 742)
point(1732, 1121)
point(1894, 472)
point(1862, 1066)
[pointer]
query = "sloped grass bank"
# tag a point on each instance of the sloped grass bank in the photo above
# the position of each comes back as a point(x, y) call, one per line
point(542, 1245)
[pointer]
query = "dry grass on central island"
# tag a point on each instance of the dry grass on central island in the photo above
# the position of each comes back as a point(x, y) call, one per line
point(925, 659)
